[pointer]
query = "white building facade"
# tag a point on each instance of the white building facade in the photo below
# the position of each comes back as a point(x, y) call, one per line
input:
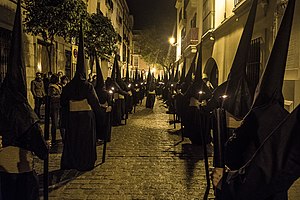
point(219, 25)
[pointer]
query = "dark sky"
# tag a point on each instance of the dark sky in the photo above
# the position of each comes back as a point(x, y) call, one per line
point(158, 13)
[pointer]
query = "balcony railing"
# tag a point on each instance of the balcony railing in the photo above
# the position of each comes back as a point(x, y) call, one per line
point(190, 39)
point(236, 2)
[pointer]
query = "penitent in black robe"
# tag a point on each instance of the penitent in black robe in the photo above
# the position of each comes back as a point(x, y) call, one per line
point(79, 150)
point(273, 167)
point(104, 123)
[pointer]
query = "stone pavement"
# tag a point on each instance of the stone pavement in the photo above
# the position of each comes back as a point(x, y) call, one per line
point(146, 159)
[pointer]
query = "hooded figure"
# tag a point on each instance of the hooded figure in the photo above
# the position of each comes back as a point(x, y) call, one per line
point(179, 94)
point(136, 89)
point(151, 93)
point(237, 88)
point(105, 100)
point(197, 95)
point(19, 127)
point(80, 106)
point(262, 151)
point(129, 90)
point(118, 112)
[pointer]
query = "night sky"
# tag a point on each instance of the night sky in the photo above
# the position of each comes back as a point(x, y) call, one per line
point(153, 13)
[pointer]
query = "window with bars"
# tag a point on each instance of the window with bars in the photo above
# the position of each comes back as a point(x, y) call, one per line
point(194, 21)
point(5, 38)
point(253, 64)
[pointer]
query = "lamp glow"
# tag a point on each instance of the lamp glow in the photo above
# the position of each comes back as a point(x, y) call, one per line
point(172, 40)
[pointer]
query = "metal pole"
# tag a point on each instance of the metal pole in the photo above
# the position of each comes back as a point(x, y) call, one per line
point(174, 118)
point(205, 128)
point(46, 136)
point(219, 136)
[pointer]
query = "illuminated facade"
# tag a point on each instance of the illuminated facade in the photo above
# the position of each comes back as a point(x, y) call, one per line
point(64, 54)
point(219, 25)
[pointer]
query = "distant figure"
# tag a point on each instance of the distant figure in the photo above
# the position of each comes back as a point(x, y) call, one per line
point(151, 96)
point(64, 80)
point(54, 92)
point(38, 92)
point(60, 74)
point(207, 82)
point(94, 80)
point(46, 80)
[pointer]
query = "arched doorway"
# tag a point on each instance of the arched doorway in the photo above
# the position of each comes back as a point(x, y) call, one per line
point(212, 72)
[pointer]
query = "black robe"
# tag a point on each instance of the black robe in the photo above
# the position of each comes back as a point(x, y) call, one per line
point(197, 123)
point(273, 167)
point(79, 150)
point(104, 132)
point(150, 98)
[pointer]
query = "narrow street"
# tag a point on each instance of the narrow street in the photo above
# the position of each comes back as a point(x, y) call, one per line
point(146, 159)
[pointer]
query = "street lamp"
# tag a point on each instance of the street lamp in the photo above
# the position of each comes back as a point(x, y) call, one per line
point(172, 41)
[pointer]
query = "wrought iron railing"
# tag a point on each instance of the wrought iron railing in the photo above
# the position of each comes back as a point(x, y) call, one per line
point(190, 39)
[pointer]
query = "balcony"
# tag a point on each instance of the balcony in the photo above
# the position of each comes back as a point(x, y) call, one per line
point(191, 39)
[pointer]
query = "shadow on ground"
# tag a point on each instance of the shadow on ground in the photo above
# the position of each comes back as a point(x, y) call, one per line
point(58, 178)
point(143, 112)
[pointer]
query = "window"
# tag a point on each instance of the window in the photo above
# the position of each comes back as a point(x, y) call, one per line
point(208, 15)
point(253, 64)
point(5, 37)
point(194, 21)
point(135, 61)
point(124, 52)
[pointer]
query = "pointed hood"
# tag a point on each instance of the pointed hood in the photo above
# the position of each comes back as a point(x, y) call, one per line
point(239, 100)
point(149, 76)
point(119, 80)
point(136, 78)
point(118, 72)
point(127, 73)
point(16, 72)
point(114, 69)
point(141, 76)
point(189, 76)
point(18, 122)
point(182, 77)
point(238, 68)
point(270, 85)
point(176, 78)
point(198, 73)
point(80, 66)
point(165, 76)
point(172, 75)
point(100, 79)
point(257, 126)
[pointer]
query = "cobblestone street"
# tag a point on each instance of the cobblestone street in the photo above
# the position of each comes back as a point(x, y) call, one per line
point(146, 159)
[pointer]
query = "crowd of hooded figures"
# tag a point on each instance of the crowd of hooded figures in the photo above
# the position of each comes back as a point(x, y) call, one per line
point(260, 157)
point(260, 160)
point(85, 112)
